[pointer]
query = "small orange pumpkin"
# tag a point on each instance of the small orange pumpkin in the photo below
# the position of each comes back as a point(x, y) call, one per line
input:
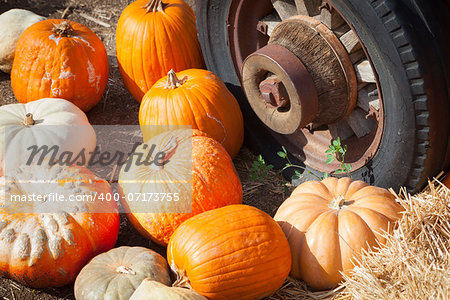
point(328, 223)
point(152, 37)
point(199, 99)
point(195, 157)
point(60, 59)
point(233, 252)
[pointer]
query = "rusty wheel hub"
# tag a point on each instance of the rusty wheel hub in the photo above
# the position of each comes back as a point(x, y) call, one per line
point(281, 90)
point(289, 86)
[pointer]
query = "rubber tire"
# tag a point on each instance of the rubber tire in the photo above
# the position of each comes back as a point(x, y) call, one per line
point(406, 41)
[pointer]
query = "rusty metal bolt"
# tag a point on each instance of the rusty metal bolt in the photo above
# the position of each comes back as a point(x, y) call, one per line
point(274, 93)
point(262, 27)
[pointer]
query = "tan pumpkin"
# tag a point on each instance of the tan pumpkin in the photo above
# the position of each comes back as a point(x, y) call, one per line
point(116, 274)
point(15, 22)
point(153, 290)
point(45, 240)
point(196, 98)
point(232, 252)
point(60, 59)
point(199, 172)
point(152, 37)
point(328, 223)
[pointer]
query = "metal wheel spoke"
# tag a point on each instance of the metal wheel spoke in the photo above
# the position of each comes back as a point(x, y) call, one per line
point(308, 7)
point(285, 8)
point(364, 72)
point(340, 129)
point(358, 122)
point(350, 41)
point(269, 22)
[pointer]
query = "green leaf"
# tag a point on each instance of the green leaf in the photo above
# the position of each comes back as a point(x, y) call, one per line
point(329, 150)
point(335, 143)
point(281, 154)
point(284, 149)
point(326, 175)
point(330, 158)
point(339, 171)
point(269, 167)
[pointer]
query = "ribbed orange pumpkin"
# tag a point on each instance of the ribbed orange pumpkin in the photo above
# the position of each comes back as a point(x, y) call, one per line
point(60, 59)
point(152, 37)
point(45, 243)
point(195, 158)
point(328, 223)
point(200, 99)
point(233, 252)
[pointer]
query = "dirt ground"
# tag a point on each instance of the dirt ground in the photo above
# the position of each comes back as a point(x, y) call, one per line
point(118, 107)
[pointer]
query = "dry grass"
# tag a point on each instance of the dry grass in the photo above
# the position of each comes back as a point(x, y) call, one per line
point(414, 263)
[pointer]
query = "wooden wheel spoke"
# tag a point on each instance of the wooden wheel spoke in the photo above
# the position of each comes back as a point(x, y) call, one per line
point(340, 129)
point(364, 72)
point(368, 97)
point(358, 122)
point(285, 8)
point(331, 18)
point(350, 41)
point(308, 7)
point(270, 21)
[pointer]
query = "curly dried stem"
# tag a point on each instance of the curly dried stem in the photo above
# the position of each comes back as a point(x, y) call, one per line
point(63, 29)
point(172, 80)
point(28, 120)
point(155, 6)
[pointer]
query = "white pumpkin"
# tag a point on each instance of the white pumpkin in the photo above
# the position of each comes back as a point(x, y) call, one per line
point(153, 290)
point(46, 122)
point(12, 24)
point(117, 273)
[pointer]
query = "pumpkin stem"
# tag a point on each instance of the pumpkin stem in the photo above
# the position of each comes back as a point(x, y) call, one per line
point(28, 120)
point(63, 29)
point(125, 270)
point(155, 6)
point(172, 80)
point(337, 202)
point(169, 150)
point(182, 279)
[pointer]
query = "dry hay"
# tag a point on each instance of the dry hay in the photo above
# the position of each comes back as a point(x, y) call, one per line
point(414, 263)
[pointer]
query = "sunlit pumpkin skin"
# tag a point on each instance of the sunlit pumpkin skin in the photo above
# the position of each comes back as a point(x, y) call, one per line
point(215, 183)
point(152, 37)
point(60, 59)
point(328, 223)
point(153, 290)
point(197, 98)
point(44, 122)
point(116, 274)
point(233, 252)
point(46, 245)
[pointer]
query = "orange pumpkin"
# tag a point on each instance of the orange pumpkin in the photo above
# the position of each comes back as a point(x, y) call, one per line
point(199, 99)
point(153, 37)
point(60, 59)
point(195, 159)
point(233, 252)
point(45, 243)
point(328, 223)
